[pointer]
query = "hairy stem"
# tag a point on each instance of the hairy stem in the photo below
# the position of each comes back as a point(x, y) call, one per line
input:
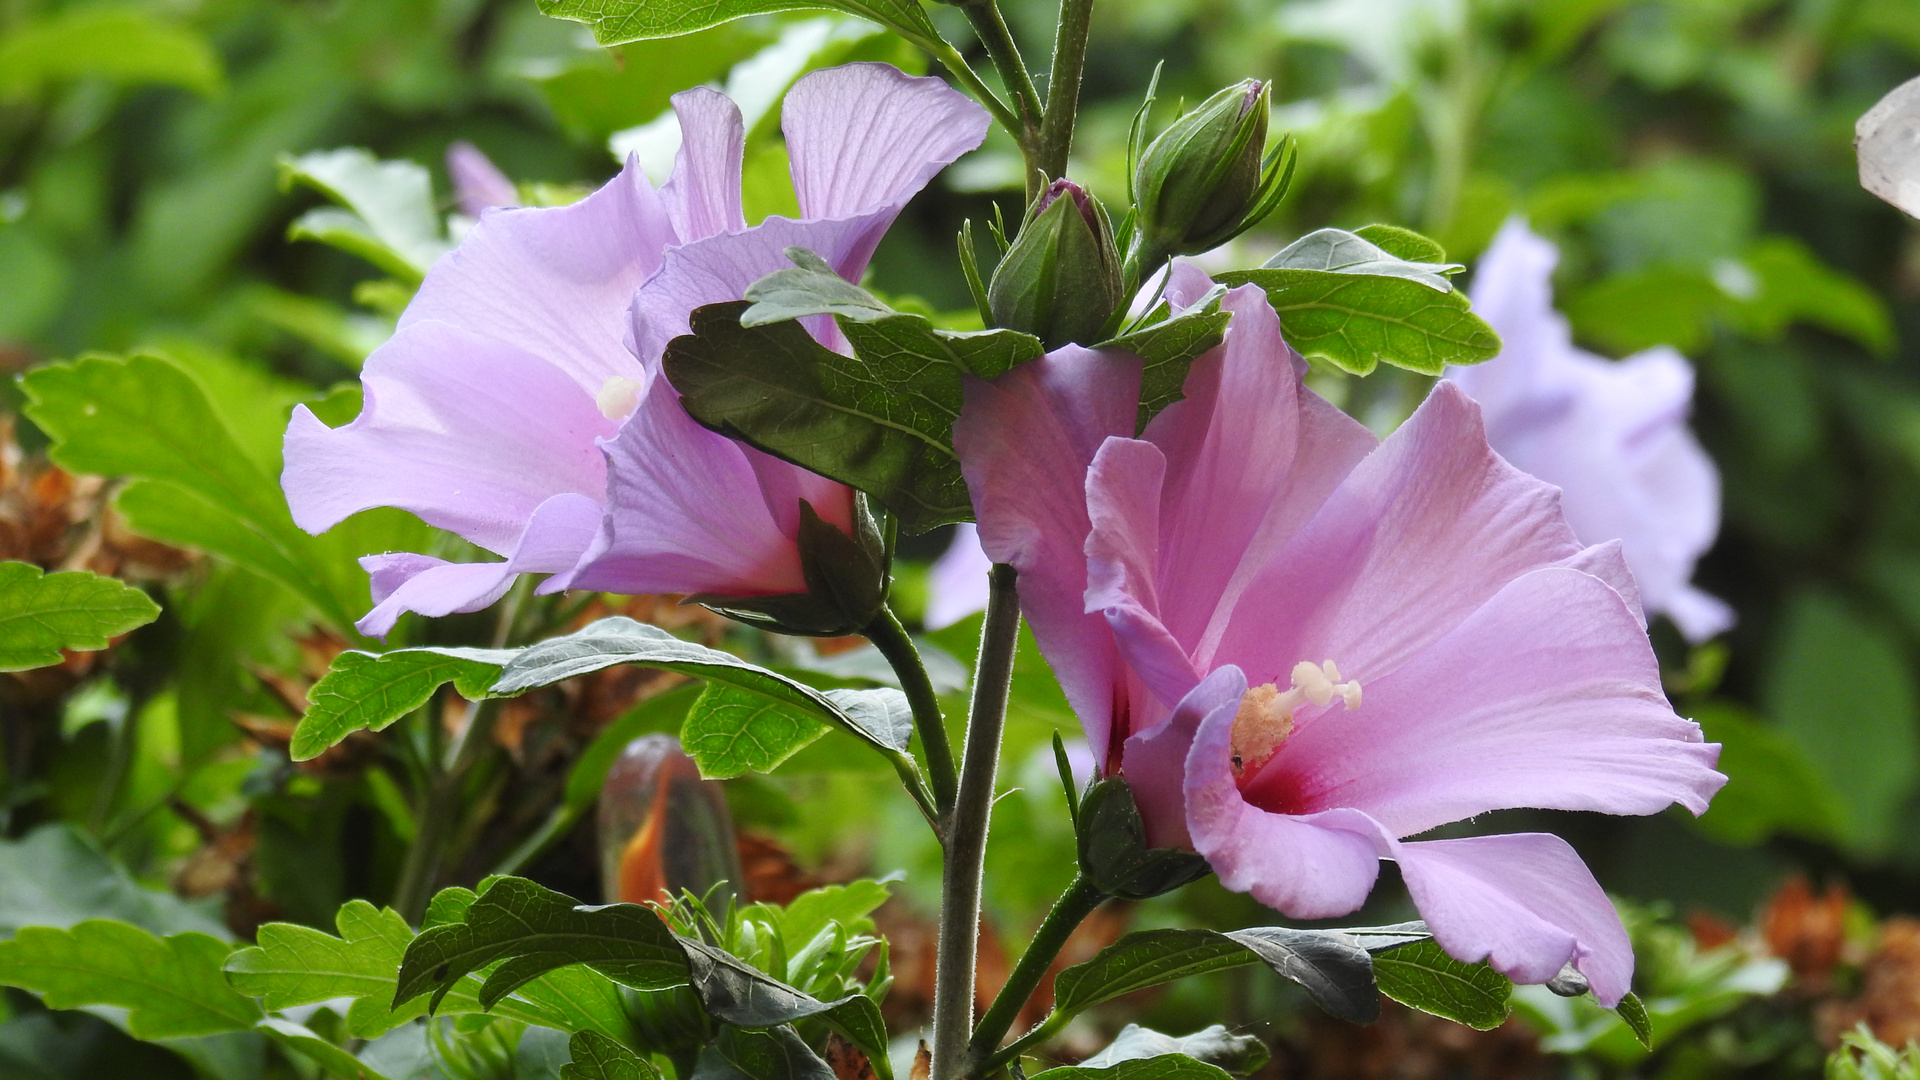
point(891, 639)
point(1074, 905)
point(991, 27)
point(966, 839)
point(958, 67)
point(1063, 86)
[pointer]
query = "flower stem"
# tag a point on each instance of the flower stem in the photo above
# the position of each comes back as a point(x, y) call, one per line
point(891, 639)
point(991, 27)
point(1074, 905)
point(966, 838)
point(958, 67)
point(1063, 86)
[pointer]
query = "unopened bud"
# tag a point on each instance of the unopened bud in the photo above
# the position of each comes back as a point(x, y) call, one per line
point(1207, 178)
point(1061, 280)
point(846, 577)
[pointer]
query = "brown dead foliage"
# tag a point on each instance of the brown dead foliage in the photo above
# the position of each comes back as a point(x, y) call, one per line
point(1408, 1045)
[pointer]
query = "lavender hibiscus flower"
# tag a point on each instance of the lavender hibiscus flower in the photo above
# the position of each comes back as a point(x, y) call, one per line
point(1215, 595)
point(520, 404)
point(1612, 435)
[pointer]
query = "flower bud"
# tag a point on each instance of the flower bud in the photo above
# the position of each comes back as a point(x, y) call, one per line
point(1061, 279)
point(1114, 854)
point(847, 579)
point(1207, 178)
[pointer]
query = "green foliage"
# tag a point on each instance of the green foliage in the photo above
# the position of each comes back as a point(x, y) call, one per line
point(173, 986)
point(56, 877)
point(596, 1057)
point(372, 690)
point(297, 965)
point(731, 731)
point(1861, 1056)
point(1422, 975)
point(41, 615)
point(120, 43)
point(1778, 789)
point(1237, 1055)
point(1163, 1067)
point(390, 218)
point(617, 21)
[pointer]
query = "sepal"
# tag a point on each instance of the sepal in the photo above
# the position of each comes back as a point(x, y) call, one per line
point(846, 580)
point(1114, 856)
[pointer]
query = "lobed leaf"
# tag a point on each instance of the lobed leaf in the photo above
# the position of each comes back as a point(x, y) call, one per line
point(41, 614)
point(372, 690)
point(172, 987)
point(1423, 976)
point(731, 731)
point(1169, 344)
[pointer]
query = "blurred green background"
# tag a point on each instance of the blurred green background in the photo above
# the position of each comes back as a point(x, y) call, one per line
point(1692, 158)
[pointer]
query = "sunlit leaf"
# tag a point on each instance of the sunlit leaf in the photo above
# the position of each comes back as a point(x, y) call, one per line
point(731, 731)
point(121, 43)
point(1216, 1046)
point(372, 690)
point(615, 22)
point(41, 614)
point(173, 987)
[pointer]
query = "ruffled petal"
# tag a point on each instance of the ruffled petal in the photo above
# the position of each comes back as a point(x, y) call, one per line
point(685, 513)
point(1123, 562)
point(554, 281)
point(467, 432)
point(1525, 903)
point(477, 183)
point(1417, 537)
point(1548, 696)
point(1307, 866)
point(957, 586)
point(560, 529)
point(703, 195)
point(1155, 762)
point(865, 137)
point(1025, 441)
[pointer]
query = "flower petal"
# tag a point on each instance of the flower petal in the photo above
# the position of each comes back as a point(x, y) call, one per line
point(554, 281)
point(1525, 903)
point(1548, 696)
point(477, 182)
point(703, 194)
point(1025, 441)
point(1155, 762)
point(865, 137)
point(468, 432)
point(1123, 561)
point(957, 586)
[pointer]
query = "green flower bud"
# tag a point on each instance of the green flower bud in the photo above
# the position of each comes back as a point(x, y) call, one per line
point(1060, 281)
point(846, 576)
point(1207, 178)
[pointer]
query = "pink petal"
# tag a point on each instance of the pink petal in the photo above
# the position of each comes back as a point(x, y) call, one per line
point(1186, 284)
point(685, 513)
point(1548, 696)
point(476, 182)
point(957, 584)
point(1025, 441)
point(1123, 561)
point(1417, 537)
point(866, 137)
point(1525, 903)
point(1155, 762)
point(560, 529)
point(470, 433)
point(554, 282)
point(703, 195)
point(1310, 866)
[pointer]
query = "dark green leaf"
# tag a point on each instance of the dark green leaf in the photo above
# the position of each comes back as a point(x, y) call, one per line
point(731, 731)
point(1170, 346)
point(619, 640)
point(1634, 1012)
point(372, 690)
point(736, 992)
point(616, 22)
point(43, 614)
point(1333, 967)
point(880, 420)
point(1235, 1054)
point(775, 1054)
point(172, 986)
point(596, 1057)
point(534, 930)
point(1423, 976)
point(1164, 1067)
point(1113, 849)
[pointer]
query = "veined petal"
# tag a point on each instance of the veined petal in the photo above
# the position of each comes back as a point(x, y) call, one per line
point(1548, 696)
point(957, 586)
point(1025, 441)
point(1525, 903)
point(554, 281)
point(467, 432)
point(477, 182)
point(1123, 562)
point(684, 513)
point(865, 137)
point(1417, 537)
point(560, 529)
point(1155, 762)
point(703, 195)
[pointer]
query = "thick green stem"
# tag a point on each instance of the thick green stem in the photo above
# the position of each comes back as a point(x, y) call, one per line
point(991, 27)
point(966, 838)
point(1074, 905)
point(891, 639)
point(1063, 86)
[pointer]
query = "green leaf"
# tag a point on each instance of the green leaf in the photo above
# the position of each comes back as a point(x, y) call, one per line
point(1164, 1067)
point(534, 930)
point(616, 22)
point(43, 614)
point(118, 43)
point(297, 965)
point(1169, 346)
point(880, 420)
point(335, 1061)
point(57, 876)
point(849, 905)
point(1423, 976)
point(809, 287)
point(372, 690)
point(390, 220)
point(620, 640)
point(1634, 1013)
point(731, 731)
point(1772, 787)
point(776, 1054)
point(172, 986)
point(1355, 321)
point(146, 418)
point(596, 1057)
point(1340, 252)
point(1409, 245)
point(1237, 1055)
